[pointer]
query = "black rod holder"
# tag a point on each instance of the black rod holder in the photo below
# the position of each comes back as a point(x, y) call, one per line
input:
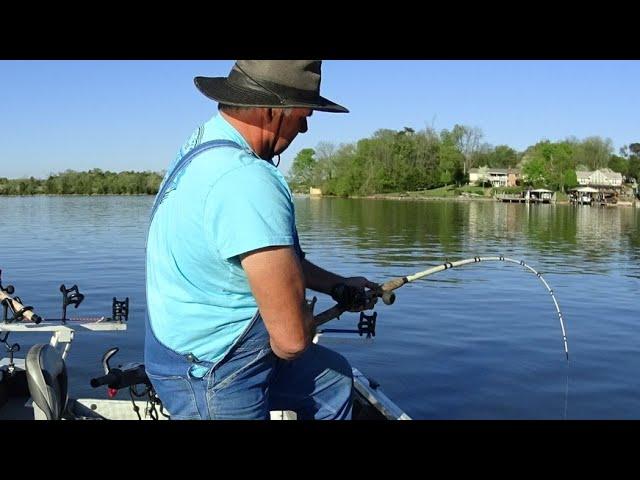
point(70, 296)
point(120, 310)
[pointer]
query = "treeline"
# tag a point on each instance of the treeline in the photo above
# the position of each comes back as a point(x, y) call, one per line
point(406, 160)
point(553, 165)
point(93, 182)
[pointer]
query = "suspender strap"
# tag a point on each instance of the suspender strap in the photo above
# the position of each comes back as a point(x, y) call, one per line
point(167, 185)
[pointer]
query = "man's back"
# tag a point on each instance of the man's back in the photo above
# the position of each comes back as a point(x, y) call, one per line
point(227, 202)
point(224, 242)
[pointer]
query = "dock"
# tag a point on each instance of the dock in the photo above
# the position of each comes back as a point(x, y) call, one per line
point(515, 198)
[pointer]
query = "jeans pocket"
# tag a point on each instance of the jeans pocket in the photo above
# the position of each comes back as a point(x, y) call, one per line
point(252, 364)
point(241, 394)
point(177, 396)
point(252, 345)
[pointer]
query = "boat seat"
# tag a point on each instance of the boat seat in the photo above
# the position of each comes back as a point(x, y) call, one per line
point(47, 380)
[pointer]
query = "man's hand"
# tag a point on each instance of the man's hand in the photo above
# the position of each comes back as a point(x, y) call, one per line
point(351, 295)
point(360, 282)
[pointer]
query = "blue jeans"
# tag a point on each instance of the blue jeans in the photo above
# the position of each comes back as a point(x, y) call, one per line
point(250, 380)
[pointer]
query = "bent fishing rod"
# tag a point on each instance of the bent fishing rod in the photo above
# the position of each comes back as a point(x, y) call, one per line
point(385, 291)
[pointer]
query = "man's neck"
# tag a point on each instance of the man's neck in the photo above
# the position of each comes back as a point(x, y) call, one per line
point(252, 131)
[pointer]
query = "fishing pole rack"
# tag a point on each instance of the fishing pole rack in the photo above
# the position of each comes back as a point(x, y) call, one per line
point(62, 330)
point(72, 296)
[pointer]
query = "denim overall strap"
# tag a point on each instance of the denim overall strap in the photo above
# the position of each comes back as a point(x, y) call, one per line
point(176, 367)
point(168, 185)
point(184, 162)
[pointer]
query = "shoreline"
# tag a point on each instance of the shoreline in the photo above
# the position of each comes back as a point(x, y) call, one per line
point(460, 198)
point(392, 196)
point(379, 196)
point(84, 195)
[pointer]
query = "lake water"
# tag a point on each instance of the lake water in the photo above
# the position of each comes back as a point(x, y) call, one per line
point(479, 342)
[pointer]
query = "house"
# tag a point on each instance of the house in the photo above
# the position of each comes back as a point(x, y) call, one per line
point(498, 177)
point(606, 183)
point(605, 177)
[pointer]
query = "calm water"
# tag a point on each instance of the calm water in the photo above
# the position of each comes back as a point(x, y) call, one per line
point(479, 342)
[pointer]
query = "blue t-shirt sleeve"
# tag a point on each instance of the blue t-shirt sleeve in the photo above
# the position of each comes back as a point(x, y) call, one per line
point(247, 209)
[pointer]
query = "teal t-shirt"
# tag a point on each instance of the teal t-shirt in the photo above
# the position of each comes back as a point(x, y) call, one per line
point(227, 202)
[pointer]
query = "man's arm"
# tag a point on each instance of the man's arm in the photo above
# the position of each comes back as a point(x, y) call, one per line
point(324, 281)
point(277, 283)
point(319, 279)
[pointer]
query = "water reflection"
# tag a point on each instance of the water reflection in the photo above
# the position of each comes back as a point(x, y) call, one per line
point(405, 232)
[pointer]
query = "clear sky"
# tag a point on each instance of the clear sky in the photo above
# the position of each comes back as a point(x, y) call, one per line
point(134, 115)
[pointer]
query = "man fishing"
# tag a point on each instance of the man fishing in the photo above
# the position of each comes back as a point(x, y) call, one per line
point(229, 331)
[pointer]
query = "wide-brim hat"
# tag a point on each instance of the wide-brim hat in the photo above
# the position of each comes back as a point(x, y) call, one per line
point(270, 83)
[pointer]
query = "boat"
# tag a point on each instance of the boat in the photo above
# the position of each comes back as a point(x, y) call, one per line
point(36, 387)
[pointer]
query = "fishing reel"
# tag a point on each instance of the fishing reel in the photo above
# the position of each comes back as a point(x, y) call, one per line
point(353, 299)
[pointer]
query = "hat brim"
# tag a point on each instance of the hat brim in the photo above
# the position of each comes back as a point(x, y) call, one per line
point(222, 91)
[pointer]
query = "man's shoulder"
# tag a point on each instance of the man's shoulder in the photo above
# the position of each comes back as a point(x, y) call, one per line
point(245, 169)
point(216, 163)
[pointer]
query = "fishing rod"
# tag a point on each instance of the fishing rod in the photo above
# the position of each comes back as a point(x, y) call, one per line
point(19, 312)
point(385, 291)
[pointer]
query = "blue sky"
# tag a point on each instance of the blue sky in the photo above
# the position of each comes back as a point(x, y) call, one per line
point(134, 115)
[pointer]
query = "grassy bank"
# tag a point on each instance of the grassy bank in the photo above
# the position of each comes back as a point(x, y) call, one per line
point(449, 192)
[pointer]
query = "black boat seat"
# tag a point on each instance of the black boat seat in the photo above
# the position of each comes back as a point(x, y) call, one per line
point(47, 380)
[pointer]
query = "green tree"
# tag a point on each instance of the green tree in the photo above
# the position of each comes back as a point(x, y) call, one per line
point(593, 152)
point(570, 179)
point(618, 164)
point(303, 168)
point(633, 167)
point(502, 156)
point(633, 170)
point(546, 164)
point(534, 171)
point(84, 183)
point(450, 166)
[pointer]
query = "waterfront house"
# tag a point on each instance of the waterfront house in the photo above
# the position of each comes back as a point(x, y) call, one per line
point(604, 178)
point(606, 183)
point(498, 177)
